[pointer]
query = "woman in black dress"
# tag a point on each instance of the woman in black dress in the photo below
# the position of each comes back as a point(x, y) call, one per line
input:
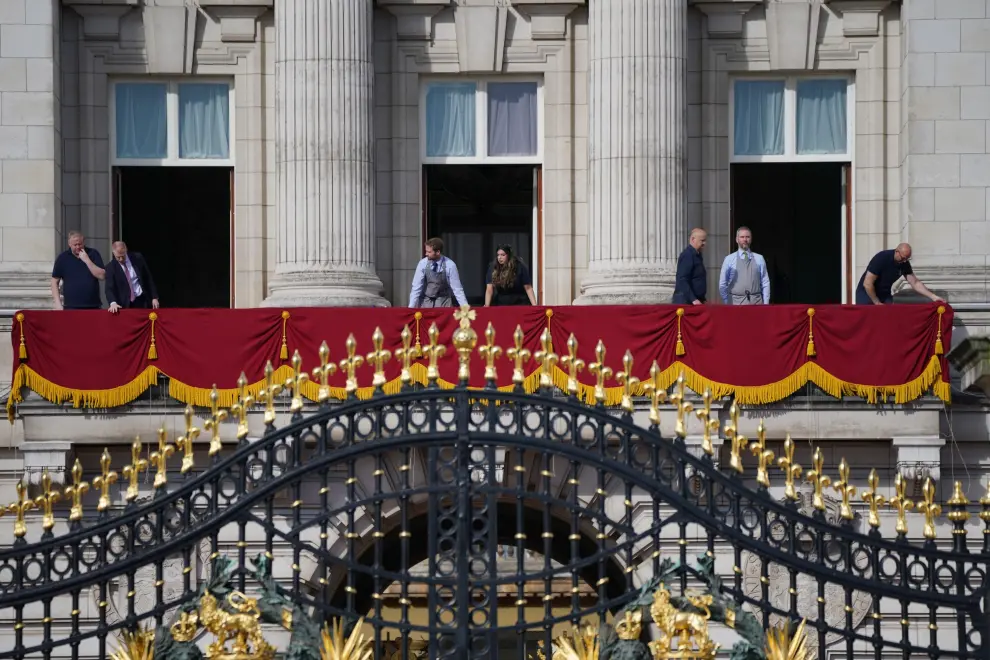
point(508, 281)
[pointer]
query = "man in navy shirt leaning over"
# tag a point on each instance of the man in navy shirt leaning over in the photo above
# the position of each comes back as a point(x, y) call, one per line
point(885, 268)
point(80, 270)
point(691, 285)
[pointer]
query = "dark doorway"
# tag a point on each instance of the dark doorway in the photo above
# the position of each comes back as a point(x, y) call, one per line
point(475, 208)
point(179, 219)
point(795, 211)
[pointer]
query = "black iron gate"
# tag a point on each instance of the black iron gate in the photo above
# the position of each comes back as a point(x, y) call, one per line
point(474, 524)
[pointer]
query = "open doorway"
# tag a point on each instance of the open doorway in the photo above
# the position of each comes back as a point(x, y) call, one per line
point(474, 209)
point(179, 218)
point(798, 215)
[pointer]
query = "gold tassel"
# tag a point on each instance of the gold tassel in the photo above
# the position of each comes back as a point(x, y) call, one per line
point(152, 350)
point(284, 353)
point(679, 349)
point(939, 349)
point(22, 354)
point(811, 332)
point(549, 314)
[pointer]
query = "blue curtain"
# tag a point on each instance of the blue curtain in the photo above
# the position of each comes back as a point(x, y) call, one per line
point(450, 119)
point(758, 125)
point(512, 119)
point(140, 111)
point(204, 120)
point(821, 117)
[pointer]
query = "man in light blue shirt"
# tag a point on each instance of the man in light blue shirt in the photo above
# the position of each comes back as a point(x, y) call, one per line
point(744, 279)
point(436, 282)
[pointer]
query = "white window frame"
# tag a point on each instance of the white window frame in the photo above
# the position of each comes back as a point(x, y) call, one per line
point(172, 158)
point(481, 122)
point(790, 154)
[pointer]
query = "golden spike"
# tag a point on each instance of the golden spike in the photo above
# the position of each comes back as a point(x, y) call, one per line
point(241, 408)
point(133, 471)
point(271, 391)
point(709, 424)
point(465, 339)
point(433, 352)
point(737, 441)
point(323, 372)
point(19, 508)
point(654, 389)
point(929, 508)
point(845, 489)
point(295, 383)
point(681, 406)
point(406, 354)
point(791, 469)
point(519, 355)
point(339, 646)
point(46, 501)
point(602, 373)
point(490, 352)
point(350, 364)
point(76, 491)
point(378, 357)
point(574, 364)
point(628, 381)
point(874, 499)
point(900, 502)
point(546, 358)
point(104, 481)
point(763, 455)
point(160, 459)
point(186, 442)
point(213, 423)
point(817, 478)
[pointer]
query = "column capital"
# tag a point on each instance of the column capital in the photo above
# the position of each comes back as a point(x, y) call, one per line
point(414, 18)
point(919, 457)
point(725, 17)
point(50, 455)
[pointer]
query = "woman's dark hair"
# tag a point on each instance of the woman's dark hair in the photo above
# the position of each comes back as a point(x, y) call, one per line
point(504, 275)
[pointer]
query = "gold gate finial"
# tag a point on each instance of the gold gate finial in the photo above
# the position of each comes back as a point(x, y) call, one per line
point(46, 501)
point(269, 393)
point(133, 471)
point(433, 352)
point(350, 364)
point(406, 355)
point(326, 369)
point(574, 364)
point(519, 355)
point(628, 381)
point(213, 423)
point(490, 352)
point(107, 478)
point(656, 392)
point(790, 468)
point(546, 358)
point(186, 442)
point(76, 491)
point(737, 441)
point(465, 339)
point(900, 502)
point(602, 373)
point(160, 459)
point(763, 455)
point(845, 490)
point(295, 383)
point(929, 508)
point(874, 499)
point(818, 479)
point(19, 508)
point(378, 357)
point(242, 407)
point(709, 424)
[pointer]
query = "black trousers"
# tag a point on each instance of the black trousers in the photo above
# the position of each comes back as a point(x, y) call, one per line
point(141, 302)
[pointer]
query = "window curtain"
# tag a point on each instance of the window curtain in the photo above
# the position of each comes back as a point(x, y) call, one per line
point(512, 119)
point(450, 119)
point(204, 120)
point(140, 120)
point(758, 125)
point(821, 117)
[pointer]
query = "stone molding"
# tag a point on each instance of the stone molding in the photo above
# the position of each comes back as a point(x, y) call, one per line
point(238, 23)
point(101, 22)
point(792, 33)
point(547, 20)
point(725, 18)
point(480, 37)
point(971, 358)
point(919, 457)
point(42, 455)
point(860, 18)
point(413, 20)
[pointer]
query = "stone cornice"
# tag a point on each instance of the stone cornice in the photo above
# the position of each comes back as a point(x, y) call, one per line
point(725, 17)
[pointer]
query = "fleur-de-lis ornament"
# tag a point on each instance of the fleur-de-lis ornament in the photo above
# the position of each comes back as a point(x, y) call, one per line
point(433, 353)
point(186, 442)
point(628, 382)
point(602, 373)
point(519, 356)
point(406, 355)
point(378, 357)
point(845, 490)
point(709, 423)
point(763, 456)
point(901, 503)
point(76, 491)
point(103, 482)
point(489, 353)
point(326, 369)
point(295, 383)
point(46, 501)
point(818, 479)
point(242, 407)
point(547, 359)
point(874, 499)
point(574, 365)
point(270, 393)
point(350, 364)
point(791, 470)
point(929, 508)
point(682, 406)
point(737, 441)
point(217, 416)
point(19, 508)
point(656, 392)
point(160, 459)
point(133, 471)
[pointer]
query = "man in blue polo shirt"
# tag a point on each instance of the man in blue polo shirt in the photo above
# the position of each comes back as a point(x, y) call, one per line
point(80, 270)
point(885, 268)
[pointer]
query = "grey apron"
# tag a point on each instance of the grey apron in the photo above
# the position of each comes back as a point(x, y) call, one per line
point(437, 292)
point(747, 288)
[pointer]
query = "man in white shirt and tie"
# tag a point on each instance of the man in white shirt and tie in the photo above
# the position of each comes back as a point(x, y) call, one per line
point(436, 282)
point(744, 279)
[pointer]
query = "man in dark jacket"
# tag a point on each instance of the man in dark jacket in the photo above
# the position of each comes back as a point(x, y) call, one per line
point(691, 285)
point(129, 282)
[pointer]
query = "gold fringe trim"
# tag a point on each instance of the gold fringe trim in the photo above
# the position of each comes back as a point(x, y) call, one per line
point(928, 380)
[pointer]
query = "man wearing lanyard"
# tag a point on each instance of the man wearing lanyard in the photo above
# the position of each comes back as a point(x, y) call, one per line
point(744, 279)
point(436, 282)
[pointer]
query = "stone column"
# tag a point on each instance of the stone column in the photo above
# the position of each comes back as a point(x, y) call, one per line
point(637, 145)
point(324, 146)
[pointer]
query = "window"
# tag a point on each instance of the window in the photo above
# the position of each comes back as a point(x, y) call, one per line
point(791, 119)
point(172, 123)
point(475, 121)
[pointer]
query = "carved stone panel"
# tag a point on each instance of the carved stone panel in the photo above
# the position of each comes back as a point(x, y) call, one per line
point(792, 33)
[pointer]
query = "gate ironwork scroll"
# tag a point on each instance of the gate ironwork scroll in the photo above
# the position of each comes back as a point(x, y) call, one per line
point(479, 524)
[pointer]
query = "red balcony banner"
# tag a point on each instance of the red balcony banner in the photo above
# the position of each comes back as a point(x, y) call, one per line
point(758, 354)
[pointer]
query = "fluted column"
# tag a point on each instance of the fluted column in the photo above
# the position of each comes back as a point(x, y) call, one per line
point(637, 145)
point(324, 147)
